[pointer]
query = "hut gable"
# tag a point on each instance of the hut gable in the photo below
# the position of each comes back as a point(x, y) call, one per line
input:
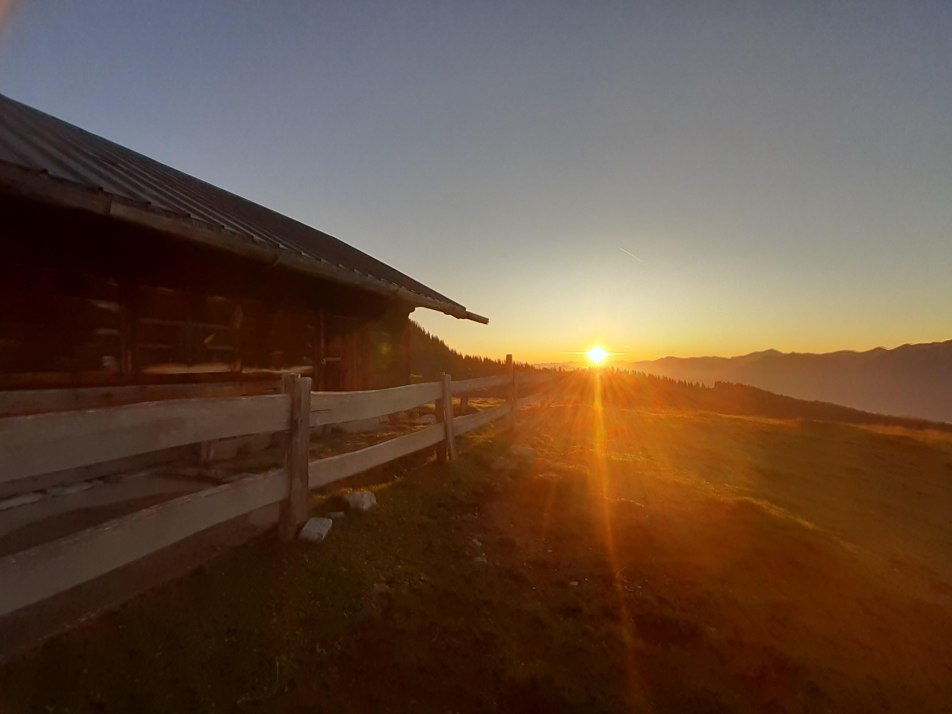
point(117, 268)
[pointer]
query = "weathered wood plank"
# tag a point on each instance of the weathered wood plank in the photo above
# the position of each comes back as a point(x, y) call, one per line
point(130, 464)
point(467, 423)
point(31, 401)
point(294, 509)
point(42, 443)
point(446, 414)
point(45, 570)
point(479, 384)
point(334, 468)
point(337, 407)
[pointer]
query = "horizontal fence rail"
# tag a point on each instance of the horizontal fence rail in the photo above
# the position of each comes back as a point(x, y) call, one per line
point(335, 468)
point(31, 401)
point(463, 424)
point(338, 407)
point(91, 436)
point(45, 570)
point(39, 444)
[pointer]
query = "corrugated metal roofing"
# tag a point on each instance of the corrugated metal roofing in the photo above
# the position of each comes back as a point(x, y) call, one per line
point(39, 142)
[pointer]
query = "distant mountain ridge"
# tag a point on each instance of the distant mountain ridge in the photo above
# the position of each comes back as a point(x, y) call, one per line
point(913, 380)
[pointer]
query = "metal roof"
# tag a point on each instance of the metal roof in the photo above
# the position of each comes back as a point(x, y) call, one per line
point(43, 155)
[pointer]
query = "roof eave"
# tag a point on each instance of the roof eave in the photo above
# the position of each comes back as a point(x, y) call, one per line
point(40, 186)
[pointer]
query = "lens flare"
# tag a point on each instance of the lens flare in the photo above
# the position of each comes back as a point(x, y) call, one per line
point(597, 354)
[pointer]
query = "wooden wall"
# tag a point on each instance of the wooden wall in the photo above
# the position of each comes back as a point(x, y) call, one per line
point(86, 300)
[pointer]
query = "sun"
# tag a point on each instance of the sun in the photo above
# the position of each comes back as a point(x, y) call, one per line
point(597, 354)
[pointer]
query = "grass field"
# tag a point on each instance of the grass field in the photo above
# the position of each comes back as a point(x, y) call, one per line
point(641, 561)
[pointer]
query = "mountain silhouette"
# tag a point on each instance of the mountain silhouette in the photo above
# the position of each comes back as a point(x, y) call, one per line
point(911, 380)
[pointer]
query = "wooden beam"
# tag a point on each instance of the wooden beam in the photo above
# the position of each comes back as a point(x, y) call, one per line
point(32, 401)
point(128, 314)
point(335, 468)
point(337, 407)
point(446, 414)
point(37, 573)
point(294, 509)
point(464, 424)
point(183, 455)
point(42, 443)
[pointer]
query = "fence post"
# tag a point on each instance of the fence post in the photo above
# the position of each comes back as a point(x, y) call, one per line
point(511, 392)
point(294, 509)
point(446, 416)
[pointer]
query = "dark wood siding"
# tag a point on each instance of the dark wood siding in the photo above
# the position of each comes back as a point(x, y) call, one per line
point(99, 302)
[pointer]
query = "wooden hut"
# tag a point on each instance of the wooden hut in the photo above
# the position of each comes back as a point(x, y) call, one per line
point(116, 269)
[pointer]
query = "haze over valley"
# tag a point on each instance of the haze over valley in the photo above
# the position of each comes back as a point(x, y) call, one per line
point(910, 380)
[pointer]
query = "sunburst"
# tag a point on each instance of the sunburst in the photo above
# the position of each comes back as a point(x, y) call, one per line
point(597, 354)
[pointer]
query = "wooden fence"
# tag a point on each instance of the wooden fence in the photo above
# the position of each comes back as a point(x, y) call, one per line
point(50, 443)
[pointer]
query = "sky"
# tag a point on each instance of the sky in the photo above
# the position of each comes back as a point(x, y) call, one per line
point(689, 178)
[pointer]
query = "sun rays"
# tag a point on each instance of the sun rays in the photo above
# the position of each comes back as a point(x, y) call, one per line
point(588, 435)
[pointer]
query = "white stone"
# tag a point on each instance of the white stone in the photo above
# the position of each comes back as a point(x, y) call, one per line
point(315, 530)
point(360, 500)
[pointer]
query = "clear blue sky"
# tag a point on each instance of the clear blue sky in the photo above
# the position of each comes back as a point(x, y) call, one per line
point(663, 177)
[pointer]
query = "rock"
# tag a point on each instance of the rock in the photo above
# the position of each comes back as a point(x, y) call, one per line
point(573, 583)
point(381, 588)
point(24, 499)
point(315, 530)
point(523, 452)
point(360, 500)
point(336, 515)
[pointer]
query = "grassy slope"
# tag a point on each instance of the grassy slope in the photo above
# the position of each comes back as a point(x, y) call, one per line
point(721, 564)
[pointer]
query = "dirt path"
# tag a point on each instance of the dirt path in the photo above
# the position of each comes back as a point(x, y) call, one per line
point(639, 562)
